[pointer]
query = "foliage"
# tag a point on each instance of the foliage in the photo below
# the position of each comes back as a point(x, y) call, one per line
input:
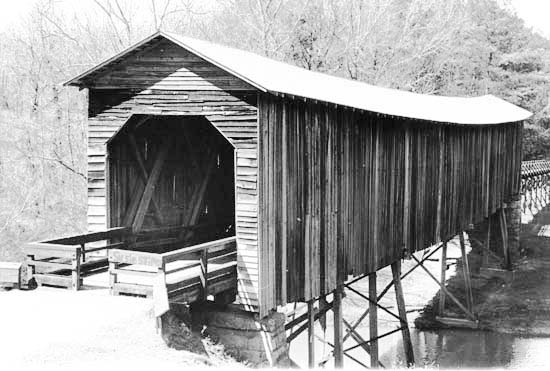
point(536, 142)
point(452, 47)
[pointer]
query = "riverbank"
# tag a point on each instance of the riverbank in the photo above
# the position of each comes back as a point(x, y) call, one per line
point(519, 304)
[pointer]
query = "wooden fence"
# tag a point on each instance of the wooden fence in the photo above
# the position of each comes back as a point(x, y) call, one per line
point(190, 274)
point(65, 261)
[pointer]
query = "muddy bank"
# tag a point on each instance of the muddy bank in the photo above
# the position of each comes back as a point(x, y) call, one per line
point(518, 304)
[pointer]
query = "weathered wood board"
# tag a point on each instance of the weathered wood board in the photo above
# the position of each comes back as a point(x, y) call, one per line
point(163, 80)
point(365, 189)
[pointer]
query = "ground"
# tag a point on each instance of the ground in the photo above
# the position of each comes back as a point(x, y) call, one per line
point(518, 305)
point(58, 329)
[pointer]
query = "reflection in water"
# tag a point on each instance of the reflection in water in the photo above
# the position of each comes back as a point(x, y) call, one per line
point(470, 349)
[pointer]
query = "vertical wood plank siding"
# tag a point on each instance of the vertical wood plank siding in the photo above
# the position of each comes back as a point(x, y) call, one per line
point(164, 79)
point(338, 185)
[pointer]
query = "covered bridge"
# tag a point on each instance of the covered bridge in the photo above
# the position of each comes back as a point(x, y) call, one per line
point(318, 177)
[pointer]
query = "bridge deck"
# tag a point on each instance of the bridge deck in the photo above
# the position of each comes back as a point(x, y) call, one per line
point(187, 275)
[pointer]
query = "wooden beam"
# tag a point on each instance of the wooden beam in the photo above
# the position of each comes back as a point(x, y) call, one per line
point(386, 289)
point(504, 235)
point(399, 297)
point(311, 334)
point(91, 237)
point(407, 192)
point(323, 303)
point(198, 196)
point(296, 321)
point(338, 343)
point(75, 272)
point(487, 243)
point(357, 337)
point(466, 274)
point(204, 273)
point(443, 278)
point(145, 175)
point(150, 187)
point(373, 321)
point(443, 288)
point(113, 267)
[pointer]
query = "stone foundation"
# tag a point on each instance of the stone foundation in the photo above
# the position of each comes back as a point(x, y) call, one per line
point(513, 224)
point(261, 342)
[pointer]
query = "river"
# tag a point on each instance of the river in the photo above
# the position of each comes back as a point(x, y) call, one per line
point(433, 349)
point(471, 349)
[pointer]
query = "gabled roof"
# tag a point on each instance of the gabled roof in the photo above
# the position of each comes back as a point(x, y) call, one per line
point(268, 75)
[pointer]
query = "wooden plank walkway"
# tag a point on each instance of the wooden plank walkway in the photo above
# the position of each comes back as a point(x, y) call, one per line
point(189, 274)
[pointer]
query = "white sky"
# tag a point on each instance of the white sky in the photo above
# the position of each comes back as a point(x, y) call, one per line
point(535, 13)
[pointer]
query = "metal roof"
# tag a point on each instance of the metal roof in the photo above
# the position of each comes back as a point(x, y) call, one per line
point(276, 77)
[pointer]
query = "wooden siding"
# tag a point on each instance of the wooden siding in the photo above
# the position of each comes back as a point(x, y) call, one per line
point(233, 115)
point(163, 65)
point(344, 192)
point(112, 101)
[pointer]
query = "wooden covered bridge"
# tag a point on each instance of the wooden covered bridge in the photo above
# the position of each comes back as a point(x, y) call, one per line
point(269, 184)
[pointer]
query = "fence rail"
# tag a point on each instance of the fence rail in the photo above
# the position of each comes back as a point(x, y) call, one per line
point(189, 274)
point(535, 185)
point(63, 261)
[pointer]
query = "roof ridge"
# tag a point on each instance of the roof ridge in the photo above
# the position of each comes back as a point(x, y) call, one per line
point(281, 78)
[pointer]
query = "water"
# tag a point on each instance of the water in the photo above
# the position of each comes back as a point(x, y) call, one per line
point(433, 349)
point(471, 349)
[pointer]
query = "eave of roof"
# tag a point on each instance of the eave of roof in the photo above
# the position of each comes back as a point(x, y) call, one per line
point(268, 75)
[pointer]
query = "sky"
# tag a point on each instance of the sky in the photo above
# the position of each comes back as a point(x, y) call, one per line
point(535, 13)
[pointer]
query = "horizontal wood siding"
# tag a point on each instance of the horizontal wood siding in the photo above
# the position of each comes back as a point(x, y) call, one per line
point(165, 79)
point(163, 65)
point(345, 192)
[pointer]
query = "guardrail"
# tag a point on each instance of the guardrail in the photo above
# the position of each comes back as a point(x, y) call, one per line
point(63, 261)
point(185, 272)
point(535, 185)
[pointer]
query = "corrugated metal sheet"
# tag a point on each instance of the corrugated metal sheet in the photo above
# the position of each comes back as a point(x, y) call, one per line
point(276, 77)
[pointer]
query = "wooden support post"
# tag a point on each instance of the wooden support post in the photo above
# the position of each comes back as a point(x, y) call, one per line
point(338, 343)
point(150, 188)
point(323, 319)
point(487, 243)
point(32, 269)
point(504, 234)
point(112, 277)
point(197, 197)
point(161, 277)
point(443, 278)
point(75, 270)
point(83, 247)
point(373, 321)
point(145, 175)
point(204, 273)
point(407, 193)
point(443, 288)
point(466, 274)
point(311, 334)
point(399, 297)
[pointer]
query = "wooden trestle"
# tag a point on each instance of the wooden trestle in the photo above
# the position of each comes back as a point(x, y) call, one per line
point(307, 320)
point(343, 330)
point(190, 273)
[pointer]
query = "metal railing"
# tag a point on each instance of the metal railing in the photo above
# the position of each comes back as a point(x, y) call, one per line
point(535, 185)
